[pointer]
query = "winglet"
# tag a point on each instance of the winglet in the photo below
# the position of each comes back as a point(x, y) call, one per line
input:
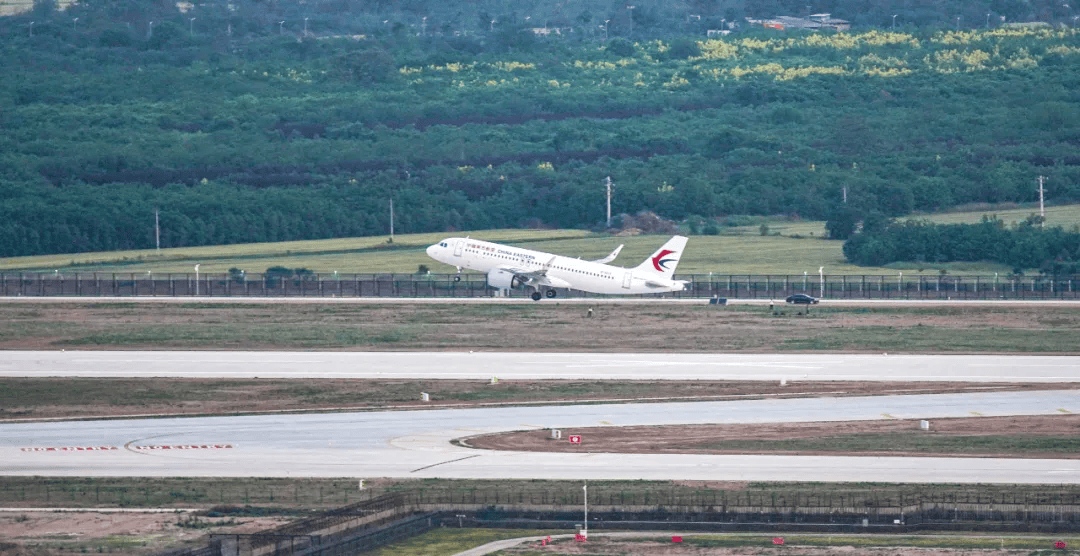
point(610, 257)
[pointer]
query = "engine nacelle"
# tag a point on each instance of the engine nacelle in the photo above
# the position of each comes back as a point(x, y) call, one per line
point(503, 279)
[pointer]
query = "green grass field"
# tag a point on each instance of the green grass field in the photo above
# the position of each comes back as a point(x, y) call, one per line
point(448, 541)
point(791, 247)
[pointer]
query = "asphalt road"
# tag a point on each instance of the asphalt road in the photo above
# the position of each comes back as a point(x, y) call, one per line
point(417, 443)
point(535, 366)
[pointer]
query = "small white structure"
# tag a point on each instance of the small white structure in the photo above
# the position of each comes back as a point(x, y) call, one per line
point(425, 397)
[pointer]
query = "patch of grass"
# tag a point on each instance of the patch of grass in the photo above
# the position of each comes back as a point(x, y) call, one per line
point(742, 250)
point(924, 339)
point(72, 397)
point(328, 254)
point(266, 335)
point(867, 541)
point(446, 541)
point(507, 327)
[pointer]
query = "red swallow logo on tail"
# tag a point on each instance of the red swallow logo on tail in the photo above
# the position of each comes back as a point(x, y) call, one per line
point(659, 262)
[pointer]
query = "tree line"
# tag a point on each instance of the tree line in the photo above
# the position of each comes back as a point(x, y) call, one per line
point(1027, 245)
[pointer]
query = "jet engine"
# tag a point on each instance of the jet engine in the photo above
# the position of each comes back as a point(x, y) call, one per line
point(503, 279)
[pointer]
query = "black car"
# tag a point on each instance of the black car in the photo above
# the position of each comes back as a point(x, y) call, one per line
point(801, 298)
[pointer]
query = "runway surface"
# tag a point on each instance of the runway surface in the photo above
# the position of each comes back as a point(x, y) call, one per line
point(536, 366)
point(417, 444)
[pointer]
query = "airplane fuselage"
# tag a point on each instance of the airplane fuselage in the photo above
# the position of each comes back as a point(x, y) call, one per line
point(545, 270)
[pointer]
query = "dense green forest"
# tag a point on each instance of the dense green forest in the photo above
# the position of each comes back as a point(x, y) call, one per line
point(1053, 251)
point(257, 121)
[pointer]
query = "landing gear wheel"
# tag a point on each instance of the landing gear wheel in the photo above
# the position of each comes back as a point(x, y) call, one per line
point(457, 278)
point(536, 296)
point(550, 293)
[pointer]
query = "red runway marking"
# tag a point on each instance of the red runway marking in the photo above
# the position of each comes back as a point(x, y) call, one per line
point(70, 449)
point(184, 447)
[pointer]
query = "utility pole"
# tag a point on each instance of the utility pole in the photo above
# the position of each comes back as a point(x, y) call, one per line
point(585, 530)
point(607, 181)
point(391, 221)
point(157, 231)
point(1042, 208)
point(845, 194)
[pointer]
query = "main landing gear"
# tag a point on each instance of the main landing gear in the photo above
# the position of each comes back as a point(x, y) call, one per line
point(549, 294)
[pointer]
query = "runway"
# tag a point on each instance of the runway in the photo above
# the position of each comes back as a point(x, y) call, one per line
point(540, 366)
point(417, 444)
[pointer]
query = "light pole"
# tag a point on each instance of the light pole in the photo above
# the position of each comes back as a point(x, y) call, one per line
point(423, 26)
point(606, 21)
point(150, 32)
point(75, 25)
point(957, 23)
point(196, 280)
point(281, 27)
point(31, 28)
point(894, 21)
point(305, 26)
point(631, 8)
point(987, 20)
point(804, 276)
point(585, 530)
point(191, 27)
point(821, 280)
point(492, 27)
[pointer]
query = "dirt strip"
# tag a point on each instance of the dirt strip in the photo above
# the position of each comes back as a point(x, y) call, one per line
point(710, 439)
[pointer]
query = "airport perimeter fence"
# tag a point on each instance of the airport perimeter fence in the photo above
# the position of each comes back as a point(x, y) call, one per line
point(373, 523)
point(1029, 502)
point(56, 284)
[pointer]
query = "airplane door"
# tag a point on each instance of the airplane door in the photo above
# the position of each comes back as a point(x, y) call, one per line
point(459, 246)
point(627, 278)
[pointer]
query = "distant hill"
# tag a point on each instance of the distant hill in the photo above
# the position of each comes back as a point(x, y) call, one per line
point(275, 122)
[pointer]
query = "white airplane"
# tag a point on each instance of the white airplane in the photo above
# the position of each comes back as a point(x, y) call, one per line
point(514, 267)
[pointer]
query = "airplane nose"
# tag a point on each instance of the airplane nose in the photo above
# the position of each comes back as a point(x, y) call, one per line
point(431, 250)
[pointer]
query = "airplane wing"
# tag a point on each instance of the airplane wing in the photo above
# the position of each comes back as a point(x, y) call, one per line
point(610, 257)
point(537, 278)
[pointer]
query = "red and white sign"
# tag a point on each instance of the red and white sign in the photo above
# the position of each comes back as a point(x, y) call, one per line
point(1061, 544)
point(778, 540)
point(575, 439)
point(676, 539)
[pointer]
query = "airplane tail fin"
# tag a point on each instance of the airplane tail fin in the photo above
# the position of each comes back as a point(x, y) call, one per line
point(665, 259)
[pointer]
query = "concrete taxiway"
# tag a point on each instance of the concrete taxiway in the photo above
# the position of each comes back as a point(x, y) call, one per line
point(418, 443)
point(539, 366)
